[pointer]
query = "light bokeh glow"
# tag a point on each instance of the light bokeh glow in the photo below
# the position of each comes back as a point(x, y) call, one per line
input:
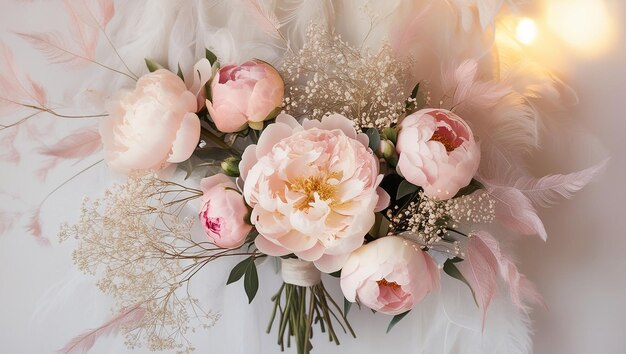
point(526, 31)
point(584, 25)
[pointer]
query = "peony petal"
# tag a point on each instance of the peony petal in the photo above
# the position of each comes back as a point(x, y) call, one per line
point(383, 200)
point(289, 120)
point(248, 159)
point(272, 135)
point(186, 139)
point(226, 118)
point(208, 183)
point(329, 263)
point(268, 247)
point(312, 254)
point(202, 72)
point(337, 121)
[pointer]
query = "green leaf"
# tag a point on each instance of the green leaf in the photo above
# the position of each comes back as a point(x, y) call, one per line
point(212, 153)
point(273, 114)
point(409, 103)
point(346, 306)
point(152, 65)
point(336, 274)
point(194, 162)
point(210, 56)
point(380, 227)
point(472, 187)
point(180, 73)
point(396, 319)
point(239, 270)
point(455, 273)
point(251, 281)
point(405, 188)
point(374, 136)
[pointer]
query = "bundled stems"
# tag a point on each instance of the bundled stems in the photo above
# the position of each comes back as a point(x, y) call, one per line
point(296, 317)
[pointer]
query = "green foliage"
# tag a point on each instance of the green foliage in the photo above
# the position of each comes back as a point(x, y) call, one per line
point(152, 65)
point(472, 187)
point(450, 268)
point(396, 319)
point(211, 57)
point(374, 137)
point(405, 188)
point(247, 270)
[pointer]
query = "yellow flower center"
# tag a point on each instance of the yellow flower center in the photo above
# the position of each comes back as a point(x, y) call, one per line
point(310, 185)
point(449, 145)
point(393, 285)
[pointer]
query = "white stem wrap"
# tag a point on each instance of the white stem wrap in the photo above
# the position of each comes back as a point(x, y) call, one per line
point(300, 273)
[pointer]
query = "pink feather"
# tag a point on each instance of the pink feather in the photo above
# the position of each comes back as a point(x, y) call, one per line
point(522, 291)
point(516, 212)
point(9, 151)
point(403, 36)
point(7, 221)
point(34, 227)
point(467, 91)
point(77, 145)
point(266, 18)
point(123, 321)
point(17, 89)
point(86, 27)
point(546, 191)
point(55, 48)
point(479, 269)
point(107, 10)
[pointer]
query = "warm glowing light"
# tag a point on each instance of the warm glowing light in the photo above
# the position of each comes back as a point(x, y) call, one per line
point(526, 31)
point(584, 25)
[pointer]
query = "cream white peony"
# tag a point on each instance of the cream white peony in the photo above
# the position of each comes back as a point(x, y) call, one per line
point(313, 189)
point(151, 126)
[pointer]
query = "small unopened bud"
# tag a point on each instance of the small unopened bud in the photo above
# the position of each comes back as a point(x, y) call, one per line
point(390, 134)
point(387, 150)
point(230, 166)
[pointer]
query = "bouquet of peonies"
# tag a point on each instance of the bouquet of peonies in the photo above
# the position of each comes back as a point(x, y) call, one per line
point(338, 160)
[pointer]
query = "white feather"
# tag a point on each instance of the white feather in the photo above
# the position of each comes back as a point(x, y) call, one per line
point(548, 190)
point(450, 322)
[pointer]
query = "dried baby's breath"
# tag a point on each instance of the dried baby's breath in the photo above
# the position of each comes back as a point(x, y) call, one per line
point(328, 75)
point(430, 222)
point(139, 244)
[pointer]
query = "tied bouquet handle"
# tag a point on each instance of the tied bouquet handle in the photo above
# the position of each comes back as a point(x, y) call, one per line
point(302, 302)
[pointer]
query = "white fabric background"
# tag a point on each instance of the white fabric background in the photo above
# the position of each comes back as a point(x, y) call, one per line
point(580, 270)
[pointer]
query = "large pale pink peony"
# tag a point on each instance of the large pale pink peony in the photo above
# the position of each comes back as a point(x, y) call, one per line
point(223, 212)
point(151, 126)
point(313, 189)
point(389, 275)
point(437, 152)
point(245, 94)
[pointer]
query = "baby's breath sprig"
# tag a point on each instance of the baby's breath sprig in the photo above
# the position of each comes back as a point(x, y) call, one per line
point(328, 75)
point(137, 239)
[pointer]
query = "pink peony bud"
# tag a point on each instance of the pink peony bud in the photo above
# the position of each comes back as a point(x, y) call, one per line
point(437, 152)
point(389, 275)
point(245, 95)
point(223, 212)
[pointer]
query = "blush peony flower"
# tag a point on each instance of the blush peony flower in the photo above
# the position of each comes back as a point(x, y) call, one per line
point(151, 126)
point(223, 212)
point(389, 275)
point(437, 152)
point(244, 95)
point(313, 189)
